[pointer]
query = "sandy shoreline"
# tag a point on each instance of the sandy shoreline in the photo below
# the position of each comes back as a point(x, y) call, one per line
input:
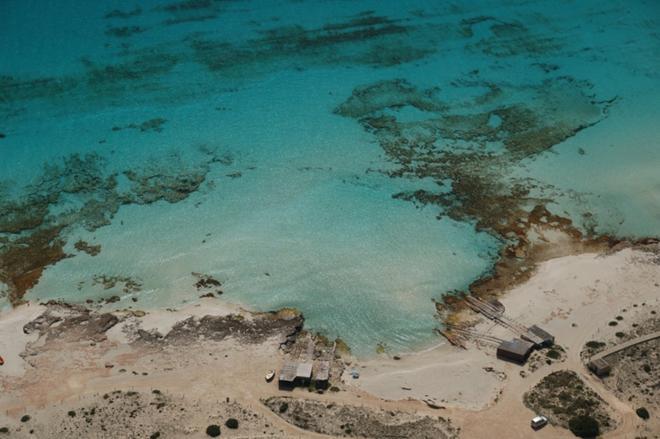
point(574, 297)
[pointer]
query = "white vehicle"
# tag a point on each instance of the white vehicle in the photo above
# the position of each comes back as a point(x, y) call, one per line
point(270, 375)
point(539, 422)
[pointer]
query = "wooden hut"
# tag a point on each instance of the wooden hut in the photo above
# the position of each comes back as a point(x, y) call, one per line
point(546, 338)
point(303, 374)
point(287, 376)
point(322, 375)
point(516, 350)
point(600, 367)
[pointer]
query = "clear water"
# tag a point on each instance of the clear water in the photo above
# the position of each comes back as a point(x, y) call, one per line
point(303, 215)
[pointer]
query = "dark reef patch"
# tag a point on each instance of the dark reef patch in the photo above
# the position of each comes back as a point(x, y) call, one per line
point(206, 282)
point(193, 19)
point(366, 39)
point(191, 11)
point(78, 192)
point(155, 125)
point(189, 5)
point(117, 13)
point(23, 260)
point(14, 90)
point(507, 38)
point(472, 152)
point(130, 285)
point(84, 246)
point(465, 151)
point(140, 67)
point(124, 31)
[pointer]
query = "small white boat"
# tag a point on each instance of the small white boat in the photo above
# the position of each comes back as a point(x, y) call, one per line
point(270, 375)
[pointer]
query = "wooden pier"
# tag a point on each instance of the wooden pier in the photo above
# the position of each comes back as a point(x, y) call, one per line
point(532, 337)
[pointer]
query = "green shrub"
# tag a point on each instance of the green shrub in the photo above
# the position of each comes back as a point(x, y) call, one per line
point(613, 323)
point(284, 407)
point(584, 426)
point(25, 418)
point(555, 355)
point(643, 413)
point(213, 430)
point(593, 344)
point(231, 423)
point(72, 413)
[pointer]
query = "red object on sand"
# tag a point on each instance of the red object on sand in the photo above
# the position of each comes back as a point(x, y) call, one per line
point(2, 361)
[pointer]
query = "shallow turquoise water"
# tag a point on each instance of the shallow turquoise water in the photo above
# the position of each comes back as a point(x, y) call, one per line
point(302, 213)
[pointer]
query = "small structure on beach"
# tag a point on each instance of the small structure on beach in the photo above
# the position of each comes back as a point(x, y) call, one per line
point(600, 367)
point(295, 374)
point(287, 376)
point(304, 374)
point(516, 350)
point(322, 375)
point(546, 339)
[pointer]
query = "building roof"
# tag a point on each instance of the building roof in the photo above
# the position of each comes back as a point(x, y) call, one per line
point(600, 363)
point(288, 372)
point(516, 347)
point(322, 371)
point(304, 370)
point(545, 335)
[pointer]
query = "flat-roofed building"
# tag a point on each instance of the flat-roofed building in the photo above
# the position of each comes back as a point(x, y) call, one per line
point(546, 338)
point(322, 374)
point(287, 376)
point(304, 374)
point(600, 367)
point(515, 350)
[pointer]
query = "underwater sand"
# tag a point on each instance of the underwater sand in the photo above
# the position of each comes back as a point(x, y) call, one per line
point(311, 126)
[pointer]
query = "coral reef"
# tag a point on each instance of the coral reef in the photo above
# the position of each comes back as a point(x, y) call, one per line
point(512, 39)
point(131, 285)
point(118, 13)
point(84, 246)
point(469, 153)
point(124, 31)
point(78, 192)
point(473, 149)
point(155, 124)
point(366, 39)
point(23, 260)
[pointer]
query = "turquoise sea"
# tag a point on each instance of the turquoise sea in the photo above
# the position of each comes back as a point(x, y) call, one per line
point(348, 158)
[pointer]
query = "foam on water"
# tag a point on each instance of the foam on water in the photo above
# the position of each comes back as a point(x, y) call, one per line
point(297, 206)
